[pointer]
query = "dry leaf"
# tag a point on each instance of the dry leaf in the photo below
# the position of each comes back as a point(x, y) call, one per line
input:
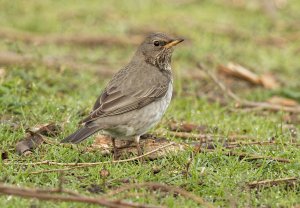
point(282, 101)
point(50, 129)
point(268, 81)
point(34, 138)
point(236, 70)
point(103, 143)
point(148, 143)
point(186, 127)
point(31, 142)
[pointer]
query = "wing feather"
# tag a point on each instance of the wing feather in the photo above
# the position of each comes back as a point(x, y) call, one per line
point(115, 102)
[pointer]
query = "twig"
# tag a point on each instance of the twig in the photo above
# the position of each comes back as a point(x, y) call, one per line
point(256, 157)
point(105, 162)
point(246, 103)
point(10, 58)
point(220, 84)
point(240, 144)
point(271, 182)
point(269, 106)
point(204, 137)
point(162, 187)
point(262, 143)
point(188, 165)
point(46, 195)
point(82, 165)
point(82, 40)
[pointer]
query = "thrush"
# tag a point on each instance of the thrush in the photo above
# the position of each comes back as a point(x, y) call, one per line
point(136, 97)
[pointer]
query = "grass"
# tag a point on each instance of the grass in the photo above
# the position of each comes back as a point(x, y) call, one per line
point(36, 94)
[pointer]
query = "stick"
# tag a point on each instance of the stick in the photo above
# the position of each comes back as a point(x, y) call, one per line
point(232, 145)
point(204, 137)
point(269, 106)
point(256, 157)
point(10, 58)
point(220, 84)
point(82, 40)
point(262, 143)
point(81, 165)
point(162, 187)
point(271, 182)
point(246, 103)
point(43, 195)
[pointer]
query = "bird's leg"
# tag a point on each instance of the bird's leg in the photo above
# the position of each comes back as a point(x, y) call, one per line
point(138, 147)
point(115, 149)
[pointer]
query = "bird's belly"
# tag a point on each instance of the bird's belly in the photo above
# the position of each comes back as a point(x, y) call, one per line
point(138, 122)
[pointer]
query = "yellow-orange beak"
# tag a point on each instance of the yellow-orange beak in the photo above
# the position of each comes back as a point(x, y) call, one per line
point(173, 43)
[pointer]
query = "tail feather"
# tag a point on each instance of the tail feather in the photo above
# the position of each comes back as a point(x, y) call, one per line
point(80, 135)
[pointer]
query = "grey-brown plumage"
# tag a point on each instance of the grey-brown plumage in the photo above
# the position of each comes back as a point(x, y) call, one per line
point(136, 97)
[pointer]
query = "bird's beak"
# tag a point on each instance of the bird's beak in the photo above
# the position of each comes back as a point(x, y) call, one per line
point(173, 43)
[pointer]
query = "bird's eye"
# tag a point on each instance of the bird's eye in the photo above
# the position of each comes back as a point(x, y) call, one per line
point(156, 43)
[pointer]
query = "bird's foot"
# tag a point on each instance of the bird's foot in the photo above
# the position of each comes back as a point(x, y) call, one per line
point(139, 149)
point(116, 155)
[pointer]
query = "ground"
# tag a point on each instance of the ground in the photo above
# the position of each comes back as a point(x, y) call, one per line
point(53, 67)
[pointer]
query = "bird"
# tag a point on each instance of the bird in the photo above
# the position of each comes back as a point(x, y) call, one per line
point(136, 97)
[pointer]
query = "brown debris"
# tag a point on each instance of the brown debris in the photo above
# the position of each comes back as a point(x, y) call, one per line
point(10, 58)
point(84, 165)
point(272, 182)
point(51, 195)
point(241, 103)
point(50, 130)
point(186, 127)
point(58, 63)
point(102, 143)
point(268, 81)
point(202, 147)
point(208, 137)
point(235, 70)
point(78, 39)
point(35, 138)
point(76, 164)
point(268, 106)
point(30, 143)
point(163, 188)
point(148, 143)
point(283, 101)
point(256, 157)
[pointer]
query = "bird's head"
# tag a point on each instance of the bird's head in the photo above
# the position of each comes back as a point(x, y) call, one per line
point(157, 49)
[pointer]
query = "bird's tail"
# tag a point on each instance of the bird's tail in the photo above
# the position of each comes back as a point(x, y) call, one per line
point(80, 134)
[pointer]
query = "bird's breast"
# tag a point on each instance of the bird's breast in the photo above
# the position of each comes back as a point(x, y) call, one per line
point(139, 121)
